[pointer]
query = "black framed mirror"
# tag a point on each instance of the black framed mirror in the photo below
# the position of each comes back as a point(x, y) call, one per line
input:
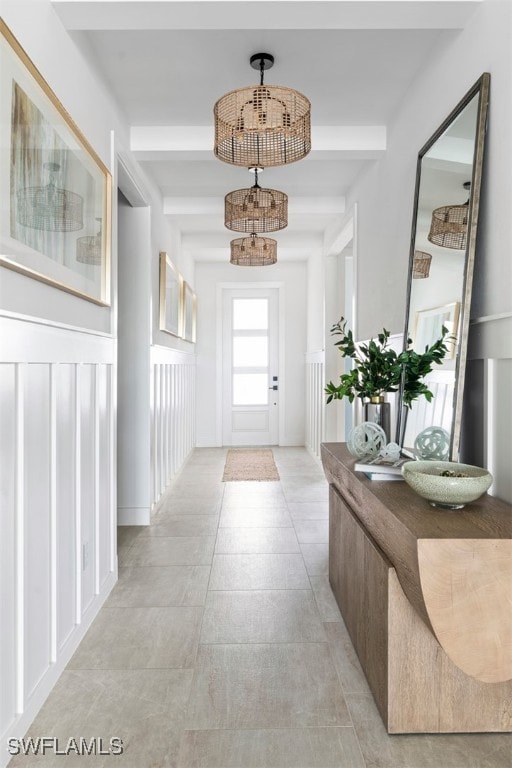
point(441, 259)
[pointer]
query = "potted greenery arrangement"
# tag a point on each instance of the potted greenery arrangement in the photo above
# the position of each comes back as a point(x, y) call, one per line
point(379, 369)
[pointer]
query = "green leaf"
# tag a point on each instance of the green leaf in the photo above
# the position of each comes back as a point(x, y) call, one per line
point(379, 369)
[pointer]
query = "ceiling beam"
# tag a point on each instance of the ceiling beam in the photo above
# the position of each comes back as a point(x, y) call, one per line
point(300, 251)
point(297, 206)
point(285, 14)
point(150, 142)
point(286, 239)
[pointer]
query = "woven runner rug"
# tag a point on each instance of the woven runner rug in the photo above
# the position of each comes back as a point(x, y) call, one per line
point(250, 464)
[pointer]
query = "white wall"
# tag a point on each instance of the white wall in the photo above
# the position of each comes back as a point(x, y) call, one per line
point(58, 411)
point(334, 309)
point(385, 201)
point(292, 392)
point(385, 194)
point(316, 302)
point(39, 31)
point(156, 416)
point(133, 482)
point(58, 373)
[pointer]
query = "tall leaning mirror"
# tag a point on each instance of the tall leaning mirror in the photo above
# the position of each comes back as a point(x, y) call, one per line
point(442, 254)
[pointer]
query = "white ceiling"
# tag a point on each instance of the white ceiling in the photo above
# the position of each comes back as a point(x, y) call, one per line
point(167, 62)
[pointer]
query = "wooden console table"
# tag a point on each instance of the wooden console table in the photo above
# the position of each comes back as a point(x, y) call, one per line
point(426, 595)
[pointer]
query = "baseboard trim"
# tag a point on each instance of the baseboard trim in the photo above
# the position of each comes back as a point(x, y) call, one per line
point(19, 726)
point(133, 515)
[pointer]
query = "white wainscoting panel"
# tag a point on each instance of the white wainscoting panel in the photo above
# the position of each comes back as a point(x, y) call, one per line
point(32, 452)
point(487, 418)
point(8, 523)
point(87, 485)
point(315, 401)
point(57, 493)
point(173, 390)
point(64, 376)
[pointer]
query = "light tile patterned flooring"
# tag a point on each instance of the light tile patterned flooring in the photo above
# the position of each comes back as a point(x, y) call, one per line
point(221, 646)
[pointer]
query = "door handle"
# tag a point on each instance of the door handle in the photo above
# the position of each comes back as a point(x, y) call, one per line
point(274, 387)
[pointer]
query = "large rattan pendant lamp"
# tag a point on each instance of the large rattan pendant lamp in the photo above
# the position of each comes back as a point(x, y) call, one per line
point(253, 251)
point(449, 225)
point(256, 209)
point(262, 125)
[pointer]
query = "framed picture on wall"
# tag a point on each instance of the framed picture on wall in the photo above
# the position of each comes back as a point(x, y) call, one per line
point(171, 297)
point(429, 324)
point(55, 216)
point(189, 313)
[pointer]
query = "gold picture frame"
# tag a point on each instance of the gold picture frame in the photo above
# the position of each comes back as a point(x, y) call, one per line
point(55, 222)
point(171, 297)
point(428, 327)
point(189, 313)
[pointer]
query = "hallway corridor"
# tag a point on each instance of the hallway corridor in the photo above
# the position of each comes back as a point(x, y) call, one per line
point(221, 646)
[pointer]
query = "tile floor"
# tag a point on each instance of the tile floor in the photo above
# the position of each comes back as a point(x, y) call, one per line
point(221, 646)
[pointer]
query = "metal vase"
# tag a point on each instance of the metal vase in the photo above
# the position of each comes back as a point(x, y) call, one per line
point(379, 413)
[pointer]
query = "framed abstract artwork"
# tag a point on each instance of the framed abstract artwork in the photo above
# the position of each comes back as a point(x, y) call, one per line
point(189, 313)
point(171, 297)
point(55, 215)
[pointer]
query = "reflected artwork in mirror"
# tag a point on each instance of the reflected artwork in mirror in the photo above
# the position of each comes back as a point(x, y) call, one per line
point(442, 254)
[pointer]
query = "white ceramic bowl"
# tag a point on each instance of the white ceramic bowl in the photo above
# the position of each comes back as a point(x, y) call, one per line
point(446, 491)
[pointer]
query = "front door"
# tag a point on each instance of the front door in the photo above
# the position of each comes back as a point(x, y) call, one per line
point(250, 367)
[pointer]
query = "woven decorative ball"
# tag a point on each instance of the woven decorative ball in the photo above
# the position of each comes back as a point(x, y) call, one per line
point(366, 439)
point(433, 443)
point(390, 451)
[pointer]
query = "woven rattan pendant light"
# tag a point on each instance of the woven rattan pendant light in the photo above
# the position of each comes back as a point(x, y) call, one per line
point(50, 208)
point(253, 251)
point(256, 209)
point(449, 225)
point(262, 125)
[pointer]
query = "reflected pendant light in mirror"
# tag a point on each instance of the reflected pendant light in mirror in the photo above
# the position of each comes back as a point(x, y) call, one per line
point(262, 125)
point(421, 265)
point(450, 157)
point(449, 226)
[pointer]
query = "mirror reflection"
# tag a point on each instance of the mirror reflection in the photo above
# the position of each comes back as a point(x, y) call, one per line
point(440, 270)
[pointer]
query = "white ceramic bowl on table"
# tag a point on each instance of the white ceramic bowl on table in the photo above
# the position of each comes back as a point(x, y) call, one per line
point(446, 484)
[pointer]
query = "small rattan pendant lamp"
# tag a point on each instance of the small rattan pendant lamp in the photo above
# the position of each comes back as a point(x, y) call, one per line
point(253, 251)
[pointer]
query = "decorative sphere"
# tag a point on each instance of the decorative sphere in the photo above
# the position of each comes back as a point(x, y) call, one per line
point(390, 451)
point(366, 439)
point(433, 443)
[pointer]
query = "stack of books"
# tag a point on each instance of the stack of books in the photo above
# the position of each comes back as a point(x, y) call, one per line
point(380, 468)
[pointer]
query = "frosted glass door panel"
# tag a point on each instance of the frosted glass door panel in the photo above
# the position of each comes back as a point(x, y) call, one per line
point(250, 375)
point(250, 389)
point(250, 314)
point(250, 352)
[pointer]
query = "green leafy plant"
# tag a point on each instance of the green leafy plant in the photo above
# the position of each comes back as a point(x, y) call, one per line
point(379, 369)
